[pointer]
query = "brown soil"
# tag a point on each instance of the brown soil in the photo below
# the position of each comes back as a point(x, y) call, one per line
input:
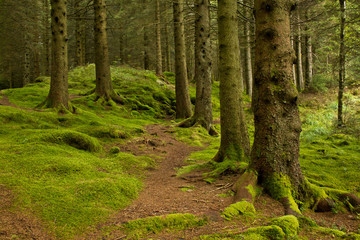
point(162, 195)
point(15, 224)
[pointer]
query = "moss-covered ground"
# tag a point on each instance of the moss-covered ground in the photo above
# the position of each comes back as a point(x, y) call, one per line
point(68, 170)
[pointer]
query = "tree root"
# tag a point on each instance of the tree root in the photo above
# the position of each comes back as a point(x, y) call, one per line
point(193, 121)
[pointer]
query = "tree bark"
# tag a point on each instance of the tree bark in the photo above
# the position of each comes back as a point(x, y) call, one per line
point(234, 137)
point(183, 104)
point(299, 68)
point(79, 35)
point(275, 153)
point(309, 58)
point(27, 63)
point(341, 62)
point(159, 67)
point(104, 88)
point(46, 39)
point(58, 96)
point(203, 63)
point(248, 58)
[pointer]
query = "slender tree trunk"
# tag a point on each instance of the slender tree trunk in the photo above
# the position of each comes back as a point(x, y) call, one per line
point(299, 68)
point(203, 63)
point(46, 39)
point(309, 58)
point(58, 96)
point(79, 35)
point(168, 49)
point(183, 104)
point(27, 63)
point(248, 58)
point(104, 88)
point(159, 67)
point(275, 153)
point(36, 70)
point(341, 62)
point(234, 138)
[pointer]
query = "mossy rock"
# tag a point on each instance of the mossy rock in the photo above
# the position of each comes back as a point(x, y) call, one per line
point(289, 224)
point(272, 232)
point(114, 150)
point(75, 139)
point(237, 209)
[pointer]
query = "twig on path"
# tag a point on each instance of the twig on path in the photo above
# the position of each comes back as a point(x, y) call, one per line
point(223, 187)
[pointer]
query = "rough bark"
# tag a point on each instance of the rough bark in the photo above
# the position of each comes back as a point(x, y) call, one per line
point(183, 104)
point(58, 96)
point(203, 63)
point(308, 58)
point(159, 67)
point(275, 153)
point(341, 62)
point(104, 88)
point(299, 68)
point(234, 137)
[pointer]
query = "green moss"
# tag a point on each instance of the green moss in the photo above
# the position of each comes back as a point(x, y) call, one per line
point(114, 150)
point(272, 232)
point(238, 209)
point(279, 187)
point(74, 139)
point(139, 228)
point(289, 224)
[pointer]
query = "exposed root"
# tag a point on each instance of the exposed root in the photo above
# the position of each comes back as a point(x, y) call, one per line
point(193, 121)
point(245, 186)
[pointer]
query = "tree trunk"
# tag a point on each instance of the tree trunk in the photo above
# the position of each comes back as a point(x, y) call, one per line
point(309, 58)
point(79, 36)
point(341, 62)
point(183, 104)
point(203, 63)
point(159, 68)
point(275, 153)
point(248, 59)
point(104, 88)
point(58, 96)
point(299, 68)
point(27, 63)
point(46, 39)
point(234, 138)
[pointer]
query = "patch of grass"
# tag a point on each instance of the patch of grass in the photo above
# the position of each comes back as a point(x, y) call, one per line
point(138, 228)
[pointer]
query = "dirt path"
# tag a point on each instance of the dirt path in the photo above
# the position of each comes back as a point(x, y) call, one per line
point(162, 193)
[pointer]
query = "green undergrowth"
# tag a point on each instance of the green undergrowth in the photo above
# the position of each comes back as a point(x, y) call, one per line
point(62, 166)
point(330, 156)
point(242, 208)
point(137, 229)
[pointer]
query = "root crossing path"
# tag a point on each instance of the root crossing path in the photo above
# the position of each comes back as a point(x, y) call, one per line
point(163, 192)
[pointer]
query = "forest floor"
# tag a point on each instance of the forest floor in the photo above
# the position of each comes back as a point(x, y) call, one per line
point(164, 194)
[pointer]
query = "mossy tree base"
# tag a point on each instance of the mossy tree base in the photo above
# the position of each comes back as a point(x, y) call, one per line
point(60, 108)
point(245, 186)
point(194, 121)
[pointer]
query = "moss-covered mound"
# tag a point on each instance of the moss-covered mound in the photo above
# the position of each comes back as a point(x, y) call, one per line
point(289, 224)
point(238, 209)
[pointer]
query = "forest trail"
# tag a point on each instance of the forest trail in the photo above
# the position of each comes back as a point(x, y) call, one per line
point(162, 193)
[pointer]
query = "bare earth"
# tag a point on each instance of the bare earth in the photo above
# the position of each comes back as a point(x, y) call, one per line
point(162, 195)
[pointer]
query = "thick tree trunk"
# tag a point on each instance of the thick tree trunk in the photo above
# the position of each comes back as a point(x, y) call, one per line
point(58, 96)
point(46, 40)
point(309, 58)
point(341, 62)
point(275, 153)
point(248, 59)
point(234, 138)
point(104, 88)
point(299, 68)
point(183, 104)
point(203, 106)
point(159, 67)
